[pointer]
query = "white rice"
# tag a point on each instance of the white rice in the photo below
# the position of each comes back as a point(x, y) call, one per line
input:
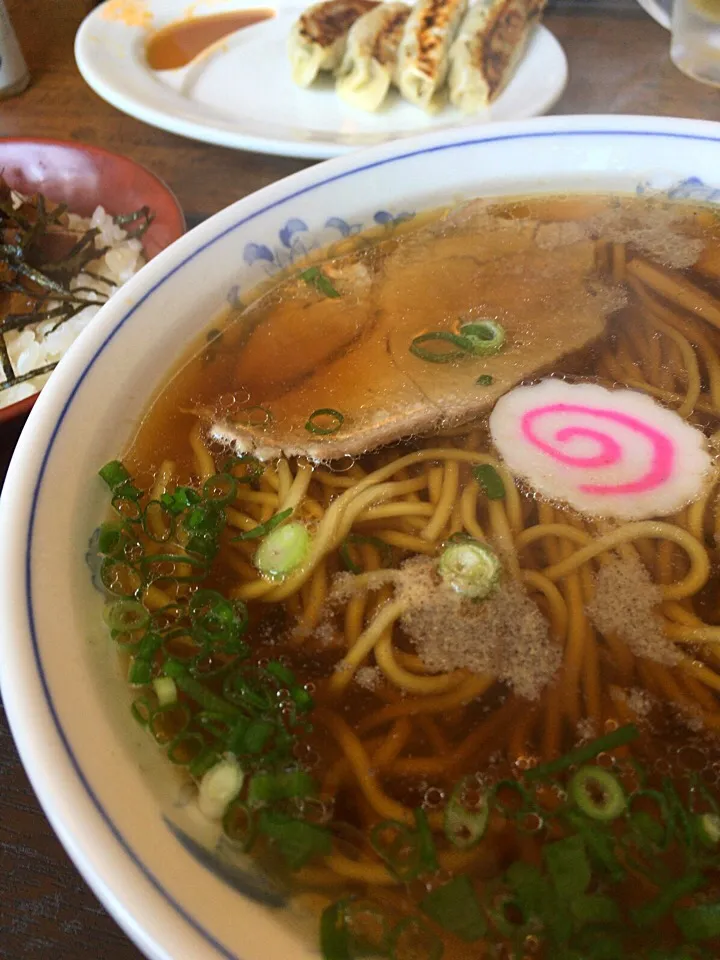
point(38, 345)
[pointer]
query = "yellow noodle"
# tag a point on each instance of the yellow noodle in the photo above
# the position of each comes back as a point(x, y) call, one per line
point(693, 331)
point(556, 603)
point(394, 743)
point(256, 496)
point(411, 682)
point(473, 687)
point(401, 509)
point(361, 767)
point(162, 480)
point(653, 529)
point(298, 488)
point(405, 541)
point(468, 511)
point(678, 289)
point(502, 535)
point(445, 502)
point(312, 611)
point(435, 479)
point(285, 479)
point(690, 364)
point(367, 640)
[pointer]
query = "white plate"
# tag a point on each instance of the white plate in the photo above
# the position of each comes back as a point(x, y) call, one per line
point(241, 95)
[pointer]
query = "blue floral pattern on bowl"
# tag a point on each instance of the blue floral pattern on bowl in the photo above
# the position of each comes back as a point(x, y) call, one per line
point(297, 240)
point(692, 188)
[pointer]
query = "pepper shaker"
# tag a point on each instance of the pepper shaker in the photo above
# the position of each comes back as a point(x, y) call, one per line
point(14, 74)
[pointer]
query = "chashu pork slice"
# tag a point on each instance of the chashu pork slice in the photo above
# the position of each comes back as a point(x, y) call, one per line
point(548, 300)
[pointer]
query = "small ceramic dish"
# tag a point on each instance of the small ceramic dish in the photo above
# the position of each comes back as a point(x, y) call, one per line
point(85, 177)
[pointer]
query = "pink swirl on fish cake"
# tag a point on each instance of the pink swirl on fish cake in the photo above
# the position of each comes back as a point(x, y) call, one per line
point(610, 451)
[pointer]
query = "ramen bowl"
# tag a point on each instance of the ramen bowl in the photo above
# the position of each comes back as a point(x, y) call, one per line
point(114, 802)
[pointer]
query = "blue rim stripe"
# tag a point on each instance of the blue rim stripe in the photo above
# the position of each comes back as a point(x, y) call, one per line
point(134, 857)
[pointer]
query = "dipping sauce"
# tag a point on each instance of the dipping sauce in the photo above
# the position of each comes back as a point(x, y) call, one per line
point(177, 44)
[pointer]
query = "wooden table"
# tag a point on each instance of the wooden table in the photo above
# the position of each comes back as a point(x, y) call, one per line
point(618, 64)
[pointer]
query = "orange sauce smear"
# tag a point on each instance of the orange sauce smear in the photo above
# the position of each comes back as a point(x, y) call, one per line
point(177, 44)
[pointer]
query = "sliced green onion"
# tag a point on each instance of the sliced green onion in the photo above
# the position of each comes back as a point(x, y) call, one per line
point(282, 673)
point(221, 488)
point(650, 913)
point(169, 721)
point(180, 500)
point(597, 793)
point(283, 550)
point(353, 928)
point(701, 922)
point(239, 825)
point(184, 748)
point(219, 787)
point(334, 935)
point(197, 691)
point(399, 846)
point(141, 710)
point(485, 380)
point(314, 277)
point(111, 537)
point(654, 828)
point(466, 815)
point(200, 764)
point(529, 886)
point(709, 829)
point(256, 736)
point(507, 927)
point(568, 865)
point(254, 469)
point(679, 818)
point(428, 854)
point(114, 474)
point(296, 841)
point(595, 908)
point(487, 337)
point(165, 690)
point(337, 419)
point(216, 620)
point(470, 568)
point(411, 939)
point(120, 578)
point(302, 699)
point(456, 908)
point(128, 508)
point(490, 481)
point(618, 738)
point(149, 645)
point(463, 345)
point(263, 529)
point(126, 616)
point(367, 927)
point(140, 672)
point(271, 787)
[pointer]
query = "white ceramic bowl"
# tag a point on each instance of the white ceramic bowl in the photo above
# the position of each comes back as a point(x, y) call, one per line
point(95, 774)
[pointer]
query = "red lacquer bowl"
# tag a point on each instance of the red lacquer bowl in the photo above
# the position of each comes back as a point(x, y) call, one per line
point(84, 177)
